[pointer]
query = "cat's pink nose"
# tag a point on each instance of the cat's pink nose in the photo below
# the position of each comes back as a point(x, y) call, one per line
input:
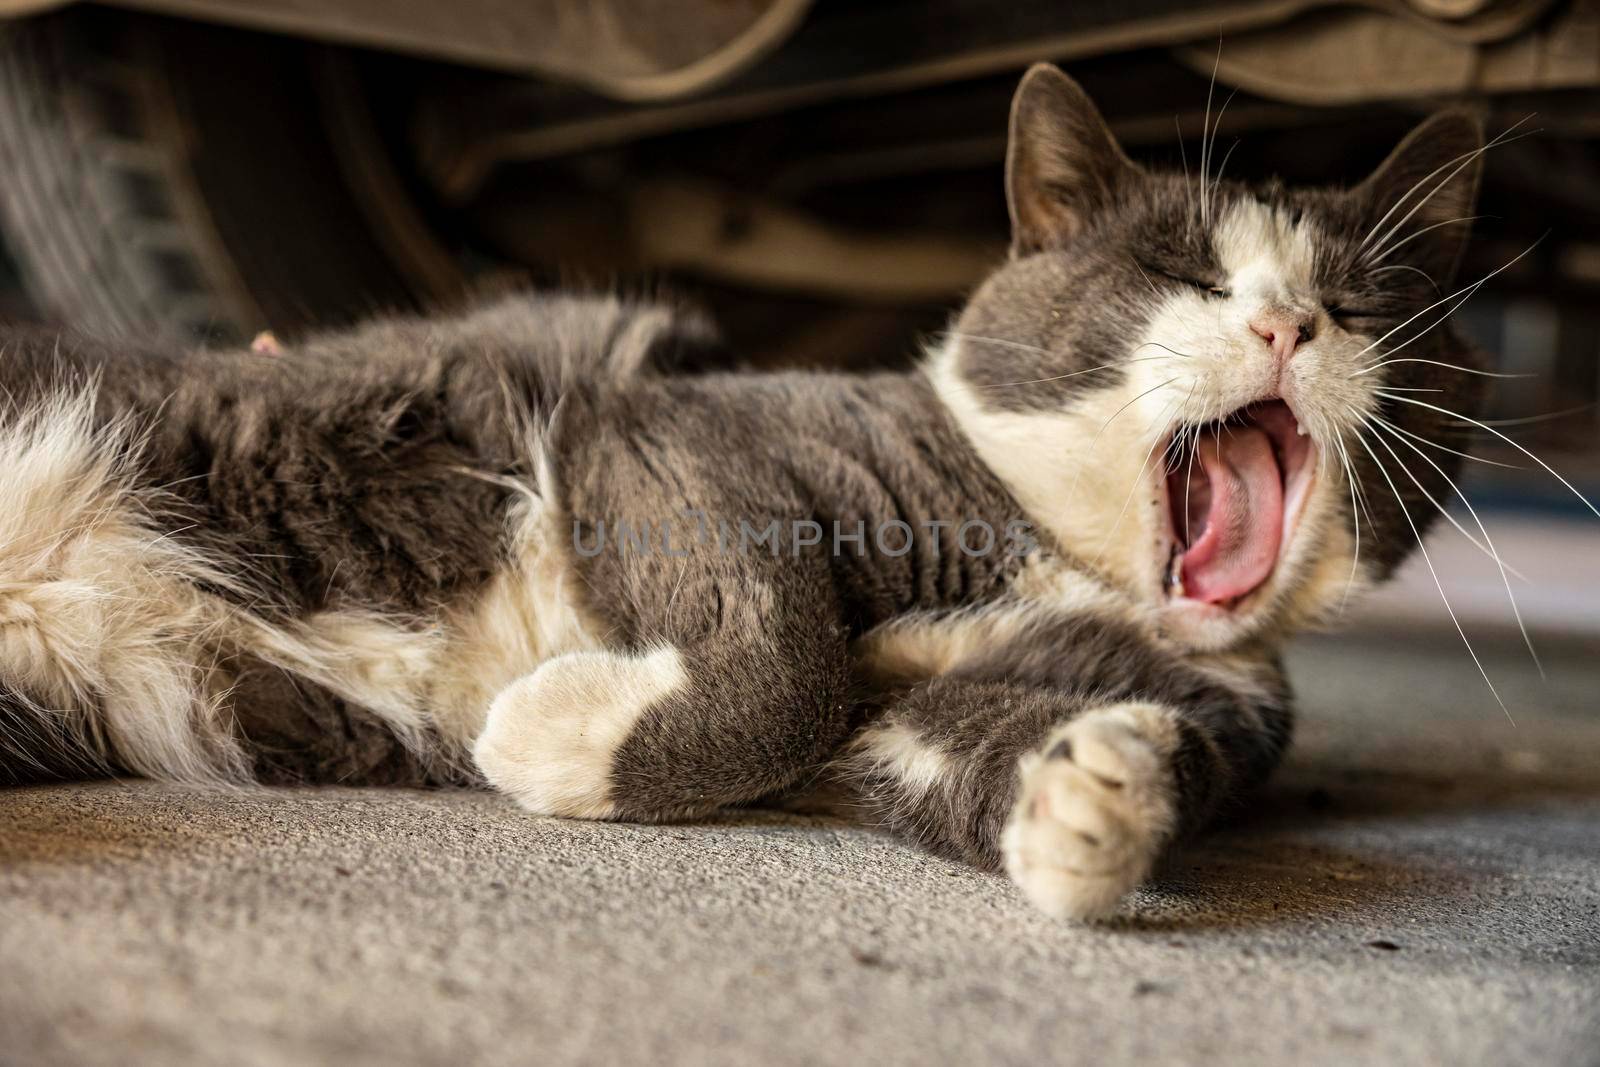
point(1283, 329)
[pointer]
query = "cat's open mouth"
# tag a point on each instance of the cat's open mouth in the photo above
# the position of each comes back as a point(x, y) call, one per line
point(1233, 502)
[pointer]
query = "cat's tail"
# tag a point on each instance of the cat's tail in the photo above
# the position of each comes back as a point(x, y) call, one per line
point(104, 660)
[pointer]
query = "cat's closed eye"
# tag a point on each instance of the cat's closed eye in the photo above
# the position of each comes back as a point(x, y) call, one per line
point(1351, 316)
point(1210, 288)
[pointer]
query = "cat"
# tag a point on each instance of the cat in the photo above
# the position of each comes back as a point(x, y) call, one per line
point(1022, 604)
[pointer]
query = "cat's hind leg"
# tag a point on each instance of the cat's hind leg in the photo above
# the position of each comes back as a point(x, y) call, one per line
point(735, 688)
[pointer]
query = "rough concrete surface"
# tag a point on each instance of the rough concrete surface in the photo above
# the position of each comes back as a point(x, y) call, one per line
point(1422, 885)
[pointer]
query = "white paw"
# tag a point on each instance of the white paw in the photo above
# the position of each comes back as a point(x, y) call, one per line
point(551, 735)
point(1094, 809)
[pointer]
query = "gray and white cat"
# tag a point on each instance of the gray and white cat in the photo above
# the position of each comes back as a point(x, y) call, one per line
point(1021, 605)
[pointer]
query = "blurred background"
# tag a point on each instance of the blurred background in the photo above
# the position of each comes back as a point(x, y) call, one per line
point(823, 175)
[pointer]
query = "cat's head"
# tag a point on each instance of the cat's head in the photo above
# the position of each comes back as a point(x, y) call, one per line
point(1177, 375)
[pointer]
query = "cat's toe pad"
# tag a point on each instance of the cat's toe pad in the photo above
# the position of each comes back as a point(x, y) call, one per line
point(550, 736)
point(1094, 808)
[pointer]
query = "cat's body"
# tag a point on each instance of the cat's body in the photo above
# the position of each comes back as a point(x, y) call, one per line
point(514, 546)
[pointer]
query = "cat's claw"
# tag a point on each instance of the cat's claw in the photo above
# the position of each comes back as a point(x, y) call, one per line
point(1094, 809)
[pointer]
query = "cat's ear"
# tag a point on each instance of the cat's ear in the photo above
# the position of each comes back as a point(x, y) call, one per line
point(1430, 180)
point(1061, 163)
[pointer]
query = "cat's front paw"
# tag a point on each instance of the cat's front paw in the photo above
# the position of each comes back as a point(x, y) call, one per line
point(1094, 809)
point(551, 736)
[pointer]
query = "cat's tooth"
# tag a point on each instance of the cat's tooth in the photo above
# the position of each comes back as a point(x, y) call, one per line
point(1175, 573)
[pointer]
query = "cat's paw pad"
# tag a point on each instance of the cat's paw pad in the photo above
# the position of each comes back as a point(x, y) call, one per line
point(551, 736)
point(1094, 809)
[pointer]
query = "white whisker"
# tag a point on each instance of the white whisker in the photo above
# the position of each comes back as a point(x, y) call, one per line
point(1460, 295)
point(1437, 363)
point(1437, 583)
point(1146, 277)
point(1139, 477)
point(1164, 348)
point(1549, 416)
point(1453, 451)
point(1205, 129)
point(1414, 270)
point(1463, 160)
point(1188, 480)
point(1061, 377)
point(1072, 490)
point(1226, 155)
point(1379, 257)
point(1183, 154)
point(1484, 530)
point(1464, 293)
point(1484, 426)
point(1355, 520)
point(1103, 426)
point(1216, 127)
point(1001, 341)
point(1440, 508)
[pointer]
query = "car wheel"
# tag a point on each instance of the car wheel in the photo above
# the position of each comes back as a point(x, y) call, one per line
point(165, 178)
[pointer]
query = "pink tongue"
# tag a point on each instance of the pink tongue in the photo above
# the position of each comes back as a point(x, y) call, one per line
point(1236, 537)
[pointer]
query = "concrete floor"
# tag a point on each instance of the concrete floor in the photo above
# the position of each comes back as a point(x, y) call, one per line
point(1422, 885)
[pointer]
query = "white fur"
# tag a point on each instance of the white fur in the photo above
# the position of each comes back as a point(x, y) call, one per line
point(442, 672)
point(917, 647)
point(1087, 828)
point(1267, 258)
point(100, 616)
point(529, 613)
point(381, 663)
point(105, 622)
point(899, 750)
point(104, 619)
point(551, 737)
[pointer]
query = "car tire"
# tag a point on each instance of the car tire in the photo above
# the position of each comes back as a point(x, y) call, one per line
point(165, 178)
